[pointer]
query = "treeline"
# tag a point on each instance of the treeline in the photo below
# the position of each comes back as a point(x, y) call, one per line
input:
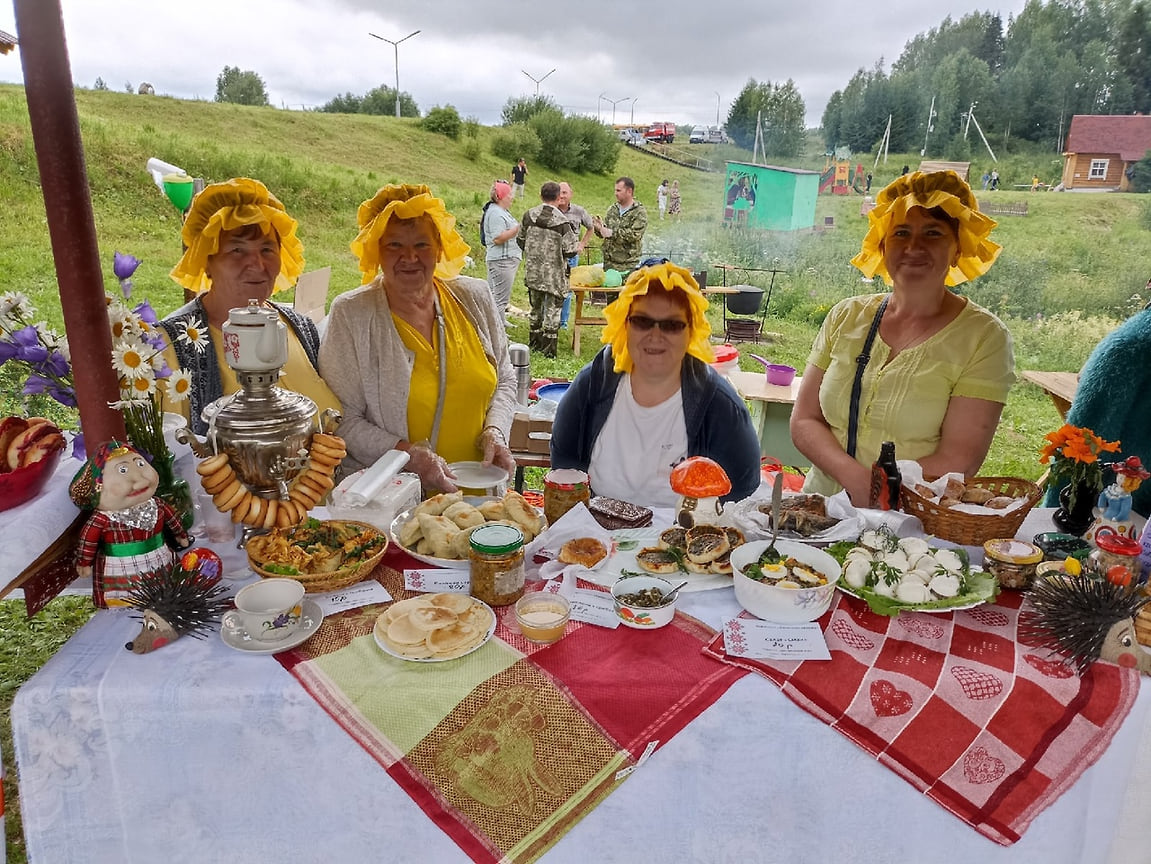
point(1027, 80)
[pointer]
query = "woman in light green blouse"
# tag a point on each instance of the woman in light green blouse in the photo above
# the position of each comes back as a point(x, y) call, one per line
point(938, 367)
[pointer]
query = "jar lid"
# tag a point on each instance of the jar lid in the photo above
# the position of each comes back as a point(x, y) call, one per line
point(725, 353)
point(496, 539)
point(565, 478)
point(1117, 544)
point(1011, 551)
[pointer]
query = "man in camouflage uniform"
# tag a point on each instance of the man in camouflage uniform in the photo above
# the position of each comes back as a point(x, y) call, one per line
point(547, 237)
point(622, 229)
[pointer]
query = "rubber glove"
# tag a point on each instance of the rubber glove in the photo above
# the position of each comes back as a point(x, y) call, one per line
point(495, 450)
point(432, 468)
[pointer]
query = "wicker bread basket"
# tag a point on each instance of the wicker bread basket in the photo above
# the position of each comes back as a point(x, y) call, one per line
point(342, 577)
point(1143, 624)
point(973, 529)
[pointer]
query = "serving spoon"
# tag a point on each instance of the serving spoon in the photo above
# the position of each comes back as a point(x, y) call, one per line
point(776, 505)
point(667, 598)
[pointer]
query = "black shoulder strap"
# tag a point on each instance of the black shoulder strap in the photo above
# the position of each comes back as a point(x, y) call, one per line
point(857, 386)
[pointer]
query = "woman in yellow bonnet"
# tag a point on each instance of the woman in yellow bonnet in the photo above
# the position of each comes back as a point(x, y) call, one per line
point(418, 354)
point(240, 245)
point(937, 372)
point(649, 399)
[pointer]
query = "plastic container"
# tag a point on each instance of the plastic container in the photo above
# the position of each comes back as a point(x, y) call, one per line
point(780, 375)
point(1012, 562)
point(1057, 546)
point(497, 564)
point(554, 392)
point(1115, 558)
point(726, 359)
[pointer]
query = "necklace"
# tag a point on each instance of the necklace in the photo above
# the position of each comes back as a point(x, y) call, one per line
point(915, 336)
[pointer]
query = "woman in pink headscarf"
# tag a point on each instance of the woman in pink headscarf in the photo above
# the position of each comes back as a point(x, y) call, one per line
point(499, 229)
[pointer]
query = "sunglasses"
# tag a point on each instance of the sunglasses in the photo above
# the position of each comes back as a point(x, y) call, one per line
point(667, 325)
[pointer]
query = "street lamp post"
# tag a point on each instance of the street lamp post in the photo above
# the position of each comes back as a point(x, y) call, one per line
point(633, 101)
point(614, 102)
point(396, 46)
point(538, 81)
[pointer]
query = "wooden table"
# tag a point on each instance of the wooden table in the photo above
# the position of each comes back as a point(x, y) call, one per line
point(529, 460)
point(580, 320)
point(770, 407)
point(1060, 386)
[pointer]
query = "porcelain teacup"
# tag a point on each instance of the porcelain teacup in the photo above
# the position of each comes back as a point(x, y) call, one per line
point(267, 611)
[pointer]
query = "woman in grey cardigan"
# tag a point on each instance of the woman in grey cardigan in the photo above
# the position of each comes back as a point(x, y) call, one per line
point(418, 354)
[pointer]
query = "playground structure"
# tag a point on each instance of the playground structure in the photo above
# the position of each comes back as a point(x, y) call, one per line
point(838, 179)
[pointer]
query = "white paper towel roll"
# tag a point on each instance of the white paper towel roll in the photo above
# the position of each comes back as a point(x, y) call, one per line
point(375, 478)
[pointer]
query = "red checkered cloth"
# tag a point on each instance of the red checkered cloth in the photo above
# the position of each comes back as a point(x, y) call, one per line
point(507, 748)
point(991, 728)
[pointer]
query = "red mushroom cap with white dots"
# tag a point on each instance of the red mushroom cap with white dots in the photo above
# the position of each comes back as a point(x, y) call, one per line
point(700, 477)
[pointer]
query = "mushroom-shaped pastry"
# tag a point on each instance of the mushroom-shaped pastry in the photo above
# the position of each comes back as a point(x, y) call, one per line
point(700, 483)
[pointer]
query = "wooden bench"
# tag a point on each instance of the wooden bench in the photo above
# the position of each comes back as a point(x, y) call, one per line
point(1003, 208)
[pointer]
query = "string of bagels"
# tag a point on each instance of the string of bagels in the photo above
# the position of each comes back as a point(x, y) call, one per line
point(308, 488)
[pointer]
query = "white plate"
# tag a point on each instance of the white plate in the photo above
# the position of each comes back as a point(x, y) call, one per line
point(491, 629)
point(476, 475)
point(910, 607)
point(624, 559)
point(447, 563)
point(311, 617)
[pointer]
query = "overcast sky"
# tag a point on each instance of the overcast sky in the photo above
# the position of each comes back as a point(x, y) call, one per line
point(673, 57)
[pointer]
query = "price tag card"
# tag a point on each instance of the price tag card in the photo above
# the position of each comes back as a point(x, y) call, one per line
point(435, 579)
point(593, 607)
point(363, 594)
point(750, 637)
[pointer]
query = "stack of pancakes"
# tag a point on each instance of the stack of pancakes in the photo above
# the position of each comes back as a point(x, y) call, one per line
point(434, 626)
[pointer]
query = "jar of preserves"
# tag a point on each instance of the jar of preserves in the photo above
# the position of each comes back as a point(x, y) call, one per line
point(1012, 562)
point(497, 564)
point(564, 488)
point(1115, 558)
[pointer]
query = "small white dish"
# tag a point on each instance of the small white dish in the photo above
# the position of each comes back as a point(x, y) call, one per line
point(476, 475)
point(310, 620)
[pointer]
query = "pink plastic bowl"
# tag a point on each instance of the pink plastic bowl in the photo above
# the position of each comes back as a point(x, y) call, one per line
point(779, 374)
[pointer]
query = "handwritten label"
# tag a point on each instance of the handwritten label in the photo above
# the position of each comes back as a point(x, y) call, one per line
point(451, 581)
point(363, 594)
point(593, 607)
point(750, 637)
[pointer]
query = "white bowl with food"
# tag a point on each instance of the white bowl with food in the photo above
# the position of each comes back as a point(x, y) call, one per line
point(643, 602)
point(797, 589)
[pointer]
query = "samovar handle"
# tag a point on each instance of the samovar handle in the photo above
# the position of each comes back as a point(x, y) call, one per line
point(329, 420)
point(203, 449)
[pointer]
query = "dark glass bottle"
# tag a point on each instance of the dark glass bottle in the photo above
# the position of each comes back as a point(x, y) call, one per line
point(885, 479)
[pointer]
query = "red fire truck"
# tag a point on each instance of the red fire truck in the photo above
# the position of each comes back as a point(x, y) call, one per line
point(663, 133)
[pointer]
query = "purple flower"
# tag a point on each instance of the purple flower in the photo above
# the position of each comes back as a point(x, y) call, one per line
point(62, 395)
point(146, 312)
point(56, 365)
point(165, 371)
point(7, 351)
point(28, 345)
point(124, 265)
point(35, 384)
point(78, 450)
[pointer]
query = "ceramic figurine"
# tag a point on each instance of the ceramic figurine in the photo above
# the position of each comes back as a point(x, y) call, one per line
point(1086, 620)
point(1115, 501)
point(183, 598)
point(129, 531)
point(700, 483)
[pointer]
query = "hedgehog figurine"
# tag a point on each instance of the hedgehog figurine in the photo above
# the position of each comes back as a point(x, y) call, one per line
point(1086, 619)
point(183, 598)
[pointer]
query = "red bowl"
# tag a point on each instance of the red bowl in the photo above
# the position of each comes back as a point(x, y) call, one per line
point(24, 484)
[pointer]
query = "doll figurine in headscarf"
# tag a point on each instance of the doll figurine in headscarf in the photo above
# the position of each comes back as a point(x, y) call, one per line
point(129, 531)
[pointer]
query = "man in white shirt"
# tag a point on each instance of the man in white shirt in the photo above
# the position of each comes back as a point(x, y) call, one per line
point(661, 198)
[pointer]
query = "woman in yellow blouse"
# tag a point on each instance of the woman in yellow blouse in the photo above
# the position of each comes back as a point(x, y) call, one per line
point(938, 368)
point(418, 354)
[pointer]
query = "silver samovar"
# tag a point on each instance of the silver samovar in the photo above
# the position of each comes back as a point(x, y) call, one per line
point(264, 429)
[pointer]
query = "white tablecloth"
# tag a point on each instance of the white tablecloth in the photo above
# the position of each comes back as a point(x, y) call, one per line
point(199, 753)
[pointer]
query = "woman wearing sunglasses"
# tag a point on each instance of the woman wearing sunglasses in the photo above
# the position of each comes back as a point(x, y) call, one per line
point(649, 399)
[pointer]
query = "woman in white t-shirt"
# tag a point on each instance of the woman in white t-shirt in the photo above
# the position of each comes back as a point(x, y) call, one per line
point(649, 399)
point(503, 256)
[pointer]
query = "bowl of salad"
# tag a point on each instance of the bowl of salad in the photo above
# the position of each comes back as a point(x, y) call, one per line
point(790, 584)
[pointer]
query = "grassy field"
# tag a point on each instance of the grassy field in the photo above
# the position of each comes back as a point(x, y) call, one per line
point(1070, 270)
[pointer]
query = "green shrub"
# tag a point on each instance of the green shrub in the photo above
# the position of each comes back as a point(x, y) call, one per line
point(519, 140)
point(445, 121)
point(472, 149)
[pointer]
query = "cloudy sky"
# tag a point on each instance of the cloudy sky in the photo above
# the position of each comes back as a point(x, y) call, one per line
point(676, 59)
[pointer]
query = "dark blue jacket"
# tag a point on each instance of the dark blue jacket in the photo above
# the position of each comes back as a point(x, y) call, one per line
point(718, 425)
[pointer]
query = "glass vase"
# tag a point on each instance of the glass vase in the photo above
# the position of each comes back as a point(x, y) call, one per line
point(174, 490)
point(1075, 516)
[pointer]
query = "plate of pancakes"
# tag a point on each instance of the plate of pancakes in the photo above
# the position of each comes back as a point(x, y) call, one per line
point(434, 628)
point(699, 555)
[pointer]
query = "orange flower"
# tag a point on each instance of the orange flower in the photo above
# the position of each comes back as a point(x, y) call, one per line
point(1073, 452)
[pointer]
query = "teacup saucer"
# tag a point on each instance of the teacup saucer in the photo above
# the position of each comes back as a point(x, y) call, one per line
point(312, 616)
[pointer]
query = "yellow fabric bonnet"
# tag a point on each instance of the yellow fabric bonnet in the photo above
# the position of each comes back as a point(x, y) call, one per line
point(666, 276)
point(226, 207)
point(929, 190)
point(406, 202)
